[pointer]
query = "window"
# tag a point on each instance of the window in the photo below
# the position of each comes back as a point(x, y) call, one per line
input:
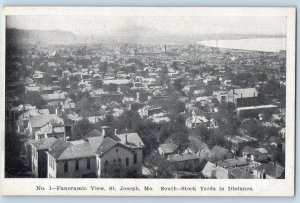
point(66, 167)
point(105, 166)
point(135, 158)
point(88, 164)
point(120, 163)
point(127, 161)
point(76, 165)
point(114, 163)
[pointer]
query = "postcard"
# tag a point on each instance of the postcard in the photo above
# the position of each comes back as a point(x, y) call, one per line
point(148, 101)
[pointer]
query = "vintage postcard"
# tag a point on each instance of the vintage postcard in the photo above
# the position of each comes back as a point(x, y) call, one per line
point(148, 101)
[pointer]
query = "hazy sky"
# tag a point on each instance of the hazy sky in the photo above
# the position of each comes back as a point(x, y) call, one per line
point(114, 25)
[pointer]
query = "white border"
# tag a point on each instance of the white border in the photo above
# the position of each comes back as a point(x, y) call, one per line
point(282, 187)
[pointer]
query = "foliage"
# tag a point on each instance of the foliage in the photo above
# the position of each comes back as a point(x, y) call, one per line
point(33, 98)
point(159, 167)
point(97, 84)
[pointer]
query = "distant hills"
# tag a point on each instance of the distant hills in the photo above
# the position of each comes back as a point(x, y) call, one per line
point(18, 36)
point(127, 34)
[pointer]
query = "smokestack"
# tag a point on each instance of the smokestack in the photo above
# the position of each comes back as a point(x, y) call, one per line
point(126, 141)
point(165, 48)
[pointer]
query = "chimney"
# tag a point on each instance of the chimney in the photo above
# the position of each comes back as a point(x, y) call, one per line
point(126, 141)
point(116, 131)
point(105, 130)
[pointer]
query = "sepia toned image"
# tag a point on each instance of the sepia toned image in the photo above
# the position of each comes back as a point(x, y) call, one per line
point(150, 94)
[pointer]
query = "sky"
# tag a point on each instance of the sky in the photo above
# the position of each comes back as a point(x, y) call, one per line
point(149, 25)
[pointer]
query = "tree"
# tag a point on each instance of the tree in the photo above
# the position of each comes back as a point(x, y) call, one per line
point(81, 128)
point(203, 132)
point(174, 65)
point(97, 84)
point(179, 133)
point(159, 167)
point(163, 77)
point(74, 80)
point(271, 88)
point(178, 84)
point(13, 165)
point(33, 98)
point(129, 120)
point(227, 118)
point(111, 87)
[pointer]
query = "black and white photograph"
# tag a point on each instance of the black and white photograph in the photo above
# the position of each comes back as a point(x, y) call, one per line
point(167, 96)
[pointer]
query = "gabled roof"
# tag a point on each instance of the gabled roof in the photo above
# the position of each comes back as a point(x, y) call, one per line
point(218, 152)
point(107, 144)
point(237, 173)
point(133, 140)
point(54, 96)
point(33, 112)
point(211, 170)
point(183, 157)
point(92, 133)
point(46, 144)
point(90, 146)
point(240, 161)
point(42, 120)
point(220, 173)
point(245, 92)
point(249, 150)
point(73, 151)
point(169, 148)
point(271, 169)
point(208, 168)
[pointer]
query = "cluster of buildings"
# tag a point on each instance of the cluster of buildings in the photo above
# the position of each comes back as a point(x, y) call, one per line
point(118, 78)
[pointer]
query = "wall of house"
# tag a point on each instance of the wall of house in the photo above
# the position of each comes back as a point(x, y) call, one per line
point(188, 165)
point(116, 168)
point(51, 169)
point(34, 162)
point(42, 164)
point(260, 175)
point(72, 173)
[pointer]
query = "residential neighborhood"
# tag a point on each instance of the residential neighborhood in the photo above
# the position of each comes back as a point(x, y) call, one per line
point(126, 110)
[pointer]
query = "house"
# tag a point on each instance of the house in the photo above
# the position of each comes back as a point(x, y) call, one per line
point(219, 153)
point(149, 111)
point(185, 161)
point(56, 130)
point(233, 163)
point(244, 97)
point(237, 173)
point(237, 143)
point(60, 97)
point(212, 170)
point(106, 155)
point(168, 149)
point(22, 122)
point(73, 159)
point(35, 123)
point(259, 154)
point(196, 120)
point(222, 96)
point(39, 156)
point(270, 170)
